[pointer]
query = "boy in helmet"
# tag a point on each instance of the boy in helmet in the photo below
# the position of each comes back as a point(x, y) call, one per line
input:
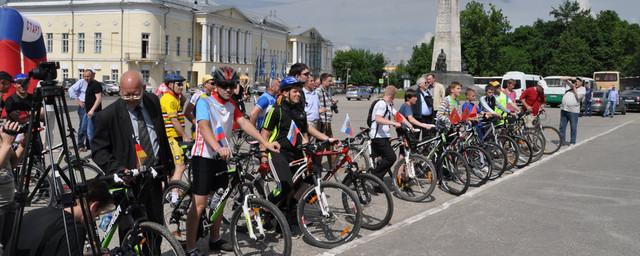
point(174, 124)
point(215, 116)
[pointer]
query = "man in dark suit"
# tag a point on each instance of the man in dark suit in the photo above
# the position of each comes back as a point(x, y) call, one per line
point(119, 127)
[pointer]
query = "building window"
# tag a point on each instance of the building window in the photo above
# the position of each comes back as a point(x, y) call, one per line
point(65, 73)
point(80, 73)
point(145, 46)
point(49, 42)
point(98, 37)
point(115, 75)
point(80, 42)
point(177, 72)
point(166, 45)
point(65, 42)
point(189, 47)
point(177, 46)
point(145, 75)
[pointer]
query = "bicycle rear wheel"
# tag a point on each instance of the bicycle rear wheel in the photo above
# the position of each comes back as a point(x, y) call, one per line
point(375, 197)
point(498, 159)
point(176, 200)
point(454, 173)
point(510, 147)
point(338, 224)
point(271, 233)
point(537, 144)
point(150, 238)
point(552, 139)
point(418, 188)
point(480, 165)
point(525, 152)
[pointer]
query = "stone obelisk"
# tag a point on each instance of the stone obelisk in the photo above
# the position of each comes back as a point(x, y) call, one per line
point(447, 37)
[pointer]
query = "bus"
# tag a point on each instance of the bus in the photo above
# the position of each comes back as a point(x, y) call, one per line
point(606, 79)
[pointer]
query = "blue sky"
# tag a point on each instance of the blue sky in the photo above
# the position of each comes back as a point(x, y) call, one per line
point(395, 26)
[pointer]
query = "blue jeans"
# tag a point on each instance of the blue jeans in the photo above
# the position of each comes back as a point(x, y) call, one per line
point(565, 117)
point(610, 109)
point(82, 127)
point(90, 133)
point(587, 107)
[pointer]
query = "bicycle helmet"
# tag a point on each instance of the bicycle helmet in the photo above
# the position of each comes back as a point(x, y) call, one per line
point(225, 75)
point(289, 82)
point(172, 78)
point(20, 77)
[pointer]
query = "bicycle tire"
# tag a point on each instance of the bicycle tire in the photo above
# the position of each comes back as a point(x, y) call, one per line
point(353, 212)
point(510, 147)
point(552, 139)
point(366, 193)
point(276, 215)
point(175, 213)
point(450, 173)
point(537, 144)
point(498, 158)
point(128, 242)
point(428, 171)
point(480, 165)
point(524, 151)
point(64, 182)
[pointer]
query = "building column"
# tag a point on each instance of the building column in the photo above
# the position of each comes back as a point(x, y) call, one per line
point(204, 48)
point(242, 43)
point(224, 45)
point(250, 57)
point(215, 36)
point(294, 51)
point(232, 44)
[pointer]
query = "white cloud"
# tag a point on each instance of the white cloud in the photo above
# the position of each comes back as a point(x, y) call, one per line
point(426, 38)
point(344, 48)
point(584, 4)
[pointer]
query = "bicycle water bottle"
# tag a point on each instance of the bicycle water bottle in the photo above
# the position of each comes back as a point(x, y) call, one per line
point(215, 199)
point(104, 221)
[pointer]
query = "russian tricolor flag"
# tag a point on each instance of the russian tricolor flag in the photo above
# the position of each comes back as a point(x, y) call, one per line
point(219, 134)
point(293, 133)
point(346, 126)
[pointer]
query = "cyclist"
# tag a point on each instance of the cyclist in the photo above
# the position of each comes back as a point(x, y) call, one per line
point(215, 116)
point(174, 124)
point(277, 126)
point(190, 106)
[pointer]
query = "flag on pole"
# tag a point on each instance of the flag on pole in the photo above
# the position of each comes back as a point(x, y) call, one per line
point(465, 114)
point(346, 126)
point(454, 117)
point(293, 133)
point(474, 112)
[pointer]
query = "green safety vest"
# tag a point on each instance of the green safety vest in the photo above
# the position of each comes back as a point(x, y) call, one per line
point(502, 100)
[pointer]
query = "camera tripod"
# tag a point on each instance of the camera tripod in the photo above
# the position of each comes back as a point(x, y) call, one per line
point(51, 94)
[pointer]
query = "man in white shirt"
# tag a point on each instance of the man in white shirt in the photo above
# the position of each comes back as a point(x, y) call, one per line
point(383, 117)
point(570, 109)
point(312, 102)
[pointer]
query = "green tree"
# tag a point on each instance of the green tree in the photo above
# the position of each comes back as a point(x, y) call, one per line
point(571, 57)
point(364, 66)
point(420, 62)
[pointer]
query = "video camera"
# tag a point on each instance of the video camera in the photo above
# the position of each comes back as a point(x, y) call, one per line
point(46, 71)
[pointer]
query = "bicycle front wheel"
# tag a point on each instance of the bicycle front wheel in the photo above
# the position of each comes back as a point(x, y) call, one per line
point(330, 218)
point(552, 142)
point(510, 147)
point(498, 159)
point(375, 197)
point(525, 152)
point(261, 230)
point(150, 238)
point(454, 173)
point(480, 164)
point(537, 144)
point(416, 187)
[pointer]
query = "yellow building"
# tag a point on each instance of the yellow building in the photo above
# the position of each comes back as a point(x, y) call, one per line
point(171, 36)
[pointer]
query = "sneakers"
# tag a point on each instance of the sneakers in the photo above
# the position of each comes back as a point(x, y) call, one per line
point(220, 245)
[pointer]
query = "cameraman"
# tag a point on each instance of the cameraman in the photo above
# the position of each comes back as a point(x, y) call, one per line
point(46, 231)
point(327, 106)
point(8, 161)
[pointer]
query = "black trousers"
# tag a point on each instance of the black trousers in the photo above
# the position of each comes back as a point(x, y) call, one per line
point(381, 147)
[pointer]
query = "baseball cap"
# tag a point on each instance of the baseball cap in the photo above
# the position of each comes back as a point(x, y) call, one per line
point(206, 78)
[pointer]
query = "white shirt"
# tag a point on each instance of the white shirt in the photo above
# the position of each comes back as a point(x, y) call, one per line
point(569, 101)
point(387, 112)
point(312, 105)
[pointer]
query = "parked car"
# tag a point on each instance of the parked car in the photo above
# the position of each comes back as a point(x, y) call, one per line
point(68, 82)
point(110, 87)
point(599, 103)
point(358, 93)
point(631, 98)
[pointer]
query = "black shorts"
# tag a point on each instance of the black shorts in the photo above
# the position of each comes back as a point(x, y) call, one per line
point(205, 178)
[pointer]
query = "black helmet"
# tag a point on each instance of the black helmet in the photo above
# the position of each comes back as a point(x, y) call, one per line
point(172, 78)
point(225, 75)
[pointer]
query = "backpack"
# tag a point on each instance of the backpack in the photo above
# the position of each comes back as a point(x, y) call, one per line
point(373, 104)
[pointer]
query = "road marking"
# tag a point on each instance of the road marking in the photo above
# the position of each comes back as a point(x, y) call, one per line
point(453, 201)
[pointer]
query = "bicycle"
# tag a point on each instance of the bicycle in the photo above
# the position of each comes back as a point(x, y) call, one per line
point(144, 237)
point(550, 134)
point(254, 223)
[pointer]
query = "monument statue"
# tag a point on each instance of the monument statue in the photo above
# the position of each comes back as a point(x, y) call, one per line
point(441, 63)
point(447, 36)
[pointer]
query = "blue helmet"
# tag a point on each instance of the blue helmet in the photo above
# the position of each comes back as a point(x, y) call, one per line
point(171, 78)
point(289, 82)
point(20, 77)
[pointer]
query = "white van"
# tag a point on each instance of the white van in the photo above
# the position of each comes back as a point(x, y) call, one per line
point(556, 88)
point(522, 81)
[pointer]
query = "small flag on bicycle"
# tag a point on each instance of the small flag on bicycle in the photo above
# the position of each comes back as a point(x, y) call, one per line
point(474, 112)
point(346, 126)
point(293, 133)
point(140, 154)
point(454, 117)
point(399, 118)
point(465, 115)
point(219, 134)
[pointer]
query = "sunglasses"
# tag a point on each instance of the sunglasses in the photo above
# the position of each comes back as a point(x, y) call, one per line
point(227, 86)
point(180, 84)
point(306, 73)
